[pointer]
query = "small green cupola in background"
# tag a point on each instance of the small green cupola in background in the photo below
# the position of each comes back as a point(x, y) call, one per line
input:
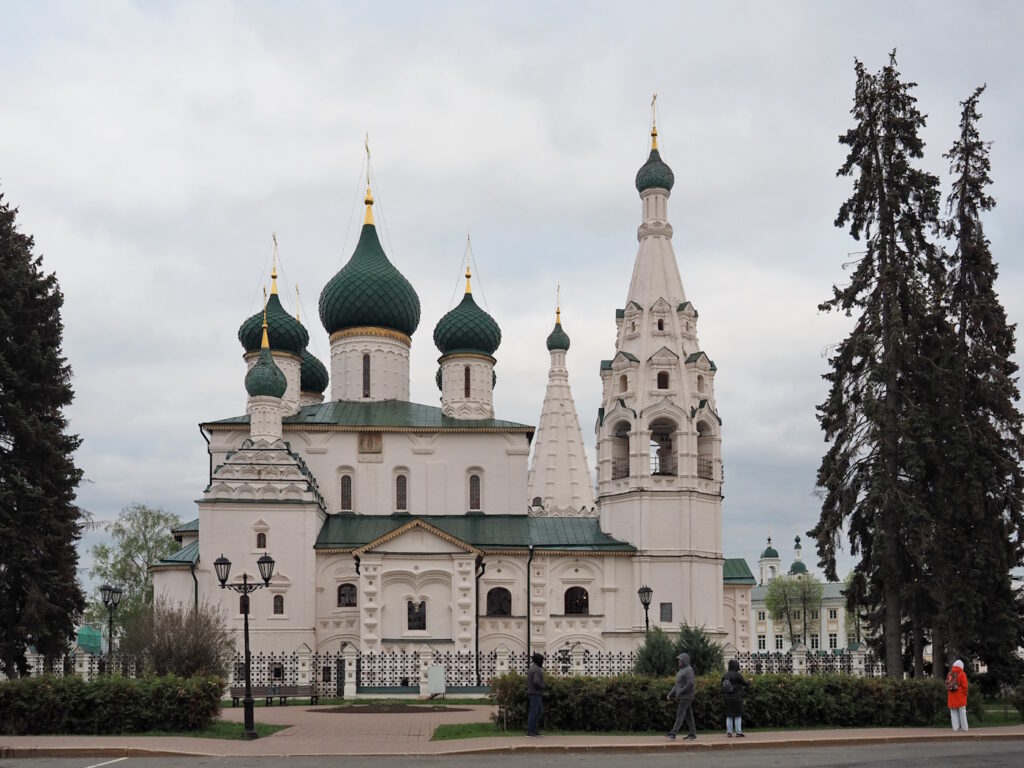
point(313, 374)
point(655, 173)
point(467, 328)
point(286, 333)
point(769, 551)
point(558, 339)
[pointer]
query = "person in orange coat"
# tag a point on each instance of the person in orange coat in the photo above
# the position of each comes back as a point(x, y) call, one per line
point(956, 696)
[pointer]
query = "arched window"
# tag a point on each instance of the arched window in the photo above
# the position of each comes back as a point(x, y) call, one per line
point(366, 375)
point(705, 451)
point(538, 501)
point(465, 379)
point(620, 451)
point(261, 541)
point(243, 604)
point(663, 453)
point(401, 493)
point(623, 383)
point(661, 325)
point(417, 614)
point(278, 605)
point(346, 595)
point(700, 383)
point(663, 380)
point(499, 602)
point(346, 493)
point(474, 493)
point(577, 602)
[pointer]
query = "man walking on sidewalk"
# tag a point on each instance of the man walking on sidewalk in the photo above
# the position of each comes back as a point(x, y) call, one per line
point(682, 692)
point(534, 691)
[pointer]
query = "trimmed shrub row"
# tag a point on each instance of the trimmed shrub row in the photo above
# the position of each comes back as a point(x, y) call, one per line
point(111, 704)
point(634, 703)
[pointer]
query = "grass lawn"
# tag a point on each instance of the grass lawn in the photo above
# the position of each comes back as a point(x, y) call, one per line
point(219, 729)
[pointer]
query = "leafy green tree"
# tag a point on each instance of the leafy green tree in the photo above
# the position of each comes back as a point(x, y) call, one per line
point(981, 537)
point(705, 654)
point(809, 591)
point(40, 599)
point(179, 639)
point(869, 476)
point(141, 535)
point(782, 602)
point(657, 656)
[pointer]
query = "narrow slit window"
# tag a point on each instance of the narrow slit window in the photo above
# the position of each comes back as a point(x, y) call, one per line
point(474, 492)
point(366, 375)
point(346, 493)
point(465, 380)
point(402, 493)
point(278, 605)
point(261, 541)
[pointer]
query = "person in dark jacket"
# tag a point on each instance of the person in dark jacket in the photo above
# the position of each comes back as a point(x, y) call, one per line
point(733, 693)
point(534, 691)
point(683, 692)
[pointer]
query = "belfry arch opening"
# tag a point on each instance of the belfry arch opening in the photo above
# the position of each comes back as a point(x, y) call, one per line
point(662, 448)
point(705, 451)
point(620, 450)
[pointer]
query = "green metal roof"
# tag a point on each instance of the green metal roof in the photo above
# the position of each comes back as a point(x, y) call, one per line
point(185, 556)
point(686, 304)
point(581, 534)
point(736, 571)
point(382, 416)
point(192, 526)
point(606, 365)
point(630, 356)
point(90, 640)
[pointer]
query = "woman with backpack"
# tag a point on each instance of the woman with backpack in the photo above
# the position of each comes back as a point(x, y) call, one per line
point(956, 696)
point(733, 684)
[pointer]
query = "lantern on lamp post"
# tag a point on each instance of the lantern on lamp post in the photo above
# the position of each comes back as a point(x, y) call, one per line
point(645, 593)
point(111, 596)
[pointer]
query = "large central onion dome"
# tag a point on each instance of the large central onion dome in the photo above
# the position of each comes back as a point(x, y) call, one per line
point(286, 333)
point(655, 173)
point(467, 328)
point(369, 291)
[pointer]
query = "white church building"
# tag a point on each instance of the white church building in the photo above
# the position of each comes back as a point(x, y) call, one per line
point(397, 525)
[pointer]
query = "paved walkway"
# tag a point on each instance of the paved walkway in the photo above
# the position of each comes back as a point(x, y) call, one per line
point(314, 731)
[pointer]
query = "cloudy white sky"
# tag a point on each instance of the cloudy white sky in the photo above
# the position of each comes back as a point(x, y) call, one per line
point(154, 147)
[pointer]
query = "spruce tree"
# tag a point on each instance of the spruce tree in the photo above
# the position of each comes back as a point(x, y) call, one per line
point(40, 598)
point(982, 531)
point(867, 476)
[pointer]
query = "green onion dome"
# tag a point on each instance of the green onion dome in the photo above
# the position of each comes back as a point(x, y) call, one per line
point(312, 374)
point(558, 339)
point(467, 328)
point(265, 378)
point(369, 291)
point(797, 567)
point(437, 378)
point(769, 550)
point(655, 173)
point(286, 333)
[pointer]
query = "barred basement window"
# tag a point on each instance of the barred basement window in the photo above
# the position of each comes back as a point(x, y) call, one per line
point(366, 375)
point(346, 493)
point(261, 541)
point(499, 602)
point(346, 595)
point(278, 605)
point(401, 493)
point(474, 492)
point(417, 614)
point(577, 602)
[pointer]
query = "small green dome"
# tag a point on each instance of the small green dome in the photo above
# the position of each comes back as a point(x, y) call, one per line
point(798, 567)
point(769, 551)
point(467, 328)
point(265, 379)
point(369, 291)
point(285, 332)
point(654, 173)
point(558, 339)
point(312, 374)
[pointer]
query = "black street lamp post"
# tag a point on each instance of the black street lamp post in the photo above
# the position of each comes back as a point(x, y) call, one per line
point(111, 596)
point(645, 593)
point(223, 567)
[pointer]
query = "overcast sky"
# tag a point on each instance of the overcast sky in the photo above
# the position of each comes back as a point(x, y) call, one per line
point(153, 148)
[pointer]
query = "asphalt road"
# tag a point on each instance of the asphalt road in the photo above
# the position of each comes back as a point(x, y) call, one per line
point(978, 754)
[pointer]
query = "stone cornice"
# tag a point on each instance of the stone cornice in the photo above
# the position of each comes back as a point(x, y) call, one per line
point(371, 330)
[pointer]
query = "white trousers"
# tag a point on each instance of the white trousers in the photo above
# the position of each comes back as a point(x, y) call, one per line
point(959, 718)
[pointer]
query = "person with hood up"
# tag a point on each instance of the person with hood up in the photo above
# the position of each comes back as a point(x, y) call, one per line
point(733, 695)
point(683, 692)
point(956, 696)
point(534, 691)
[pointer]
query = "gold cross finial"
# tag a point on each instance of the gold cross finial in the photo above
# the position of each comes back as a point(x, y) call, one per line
point(273, 269)
point(368, 218)
point(297, 304)
point(558, 303)
point(654, 126)
point(265, 343)
point(469, 253)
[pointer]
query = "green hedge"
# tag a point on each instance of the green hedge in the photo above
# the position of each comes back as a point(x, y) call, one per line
point(110, 704)
point(634, 703)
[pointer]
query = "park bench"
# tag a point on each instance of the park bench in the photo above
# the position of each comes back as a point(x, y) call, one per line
point(270, 692)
